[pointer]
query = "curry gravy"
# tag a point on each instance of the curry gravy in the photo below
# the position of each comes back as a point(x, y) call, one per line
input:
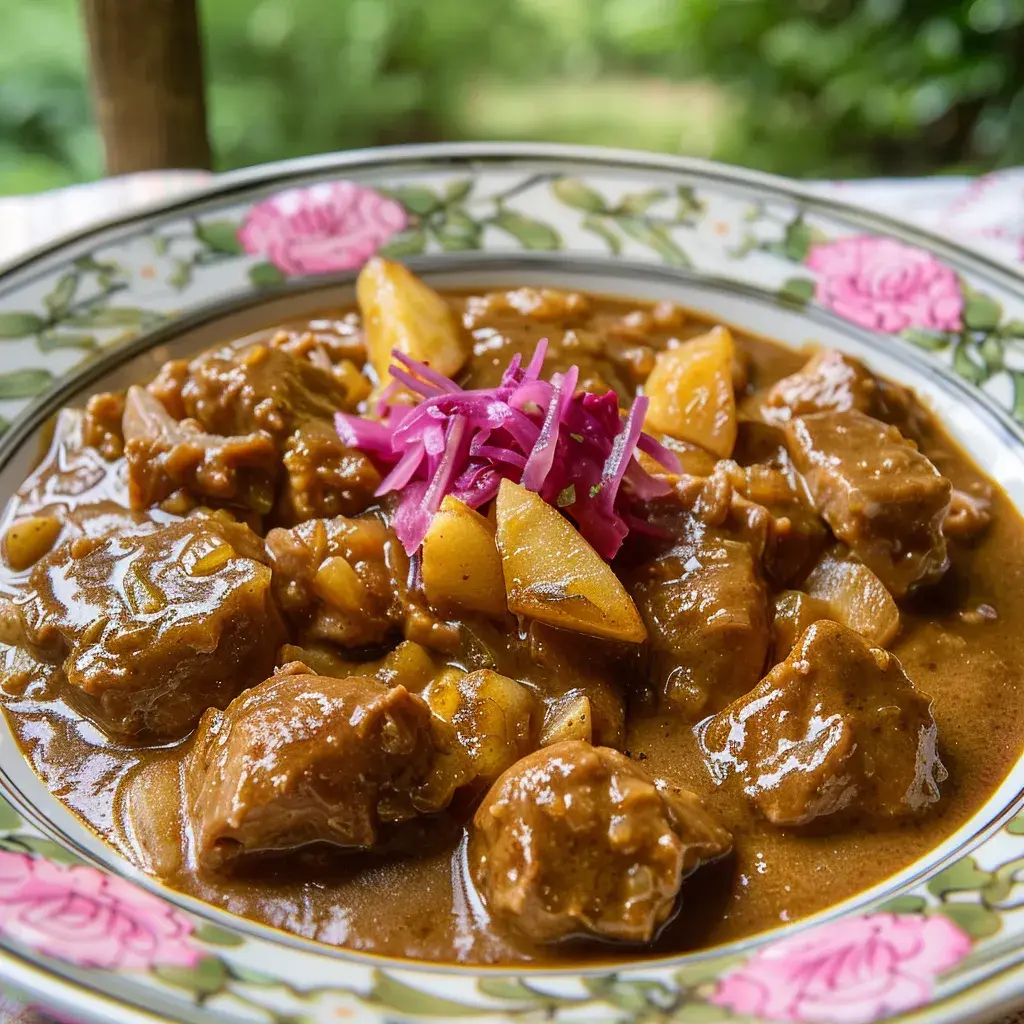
point(960, 642)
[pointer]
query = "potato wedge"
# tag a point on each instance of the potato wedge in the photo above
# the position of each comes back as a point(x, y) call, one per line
point(569, 719)
point(400, 311)
point(856, 597)
point(494, 717)
point(461, 566)
point(691, 393)
point(27, 540)
point(337, 583)
point(553, 575)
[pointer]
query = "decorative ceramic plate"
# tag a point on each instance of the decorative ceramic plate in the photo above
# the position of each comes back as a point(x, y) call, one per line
point(86, 935)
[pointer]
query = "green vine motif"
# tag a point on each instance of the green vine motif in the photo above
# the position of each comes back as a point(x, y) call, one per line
point(793, 240)
point(450, 218)
point(978, 351)
point(972, 897)
point(631, 217)
point(627, 1000)
point(794, 235)
point(78, 305)
point(9, 818)
point(200, 245)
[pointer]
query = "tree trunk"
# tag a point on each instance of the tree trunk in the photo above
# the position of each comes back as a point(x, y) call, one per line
point(147, 78)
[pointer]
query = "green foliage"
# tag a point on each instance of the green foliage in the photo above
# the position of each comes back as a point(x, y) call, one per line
point(289, 77)
point(846, 86)
point(46, 133)
point(822, 87)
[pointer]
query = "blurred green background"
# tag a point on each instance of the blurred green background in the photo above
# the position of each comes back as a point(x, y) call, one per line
point(835, 88)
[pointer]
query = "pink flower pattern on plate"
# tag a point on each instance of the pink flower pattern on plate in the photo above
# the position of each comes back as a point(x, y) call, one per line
point(885, 285)
point(334, 225)
point(89, 918)
point(852, 971)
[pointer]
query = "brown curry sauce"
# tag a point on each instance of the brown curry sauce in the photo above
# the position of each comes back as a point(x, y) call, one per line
point(968, 660)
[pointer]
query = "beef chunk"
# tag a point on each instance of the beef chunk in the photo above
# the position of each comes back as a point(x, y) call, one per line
point(101, 425)
point(706, 612)
point(336, 346)
point(835, 382)
point(829, 382)
point(246, 387)
point(879, 494)
point(545, 305)
point(168, 384)
point(576, 840)
point(836, 731)
point(155, 624)
point(301, 759)
point(796, 534)
point(496, 323)
point(338, 339)
point(323, 478)
point(265, 389)
point(345, 581)
point(164, 456)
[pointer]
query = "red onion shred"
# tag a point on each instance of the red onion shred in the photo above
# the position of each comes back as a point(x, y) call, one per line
point(573, 448)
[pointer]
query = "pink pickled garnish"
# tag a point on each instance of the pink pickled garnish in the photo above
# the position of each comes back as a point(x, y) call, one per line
point(573, 448)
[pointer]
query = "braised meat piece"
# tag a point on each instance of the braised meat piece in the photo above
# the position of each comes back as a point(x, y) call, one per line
point(832, 381)
point(322, 477)
point(796, 534)
point(302, 759)
point(576, 840)
point(101, 425)
point(165, 455)
point(496, 321)
point(879, 494)
point(264, 389)
point(155, 624)
point(837, 730)
point(706, 612)
point(332, 579)
point(545, 305)
point(345, 581)
point(829, 382)
point(246, 387)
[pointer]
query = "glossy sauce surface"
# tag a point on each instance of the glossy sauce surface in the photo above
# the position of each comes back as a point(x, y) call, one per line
point(968, 660)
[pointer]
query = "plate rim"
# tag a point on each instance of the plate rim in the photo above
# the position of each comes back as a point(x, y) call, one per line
point(239, 179)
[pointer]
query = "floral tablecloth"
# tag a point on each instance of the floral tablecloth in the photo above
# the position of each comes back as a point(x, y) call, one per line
point(986, 213)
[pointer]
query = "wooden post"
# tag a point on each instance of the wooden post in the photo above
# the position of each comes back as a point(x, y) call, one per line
point(147, 77)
